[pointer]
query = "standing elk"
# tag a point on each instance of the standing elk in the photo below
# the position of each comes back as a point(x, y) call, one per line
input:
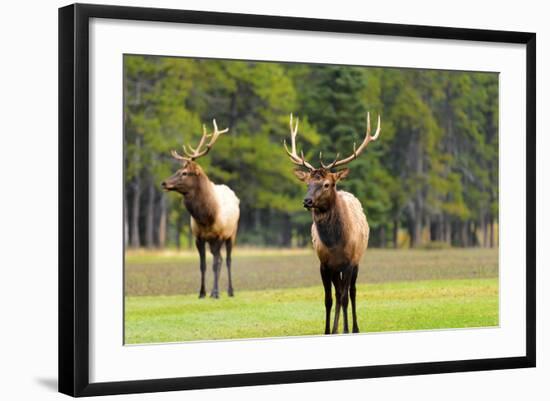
point(214, 209)
point(340, 231)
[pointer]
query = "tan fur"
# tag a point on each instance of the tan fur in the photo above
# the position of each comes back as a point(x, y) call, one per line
point(227, 215)
point(356, 234)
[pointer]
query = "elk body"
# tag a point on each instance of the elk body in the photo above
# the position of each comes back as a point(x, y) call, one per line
point(340, 232)
point(214, 209)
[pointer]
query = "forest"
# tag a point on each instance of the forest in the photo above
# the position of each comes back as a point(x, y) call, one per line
point(430, 179)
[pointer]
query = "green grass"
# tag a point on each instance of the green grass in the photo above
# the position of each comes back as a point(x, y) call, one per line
point(279, 293)
point(390, 306)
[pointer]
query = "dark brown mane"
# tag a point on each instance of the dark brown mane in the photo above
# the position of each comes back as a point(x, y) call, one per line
point(201, 202)
point(330, 225)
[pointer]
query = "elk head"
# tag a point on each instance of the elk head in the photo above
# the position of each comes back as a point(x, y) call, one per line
point(321, 182)
point(186, 178)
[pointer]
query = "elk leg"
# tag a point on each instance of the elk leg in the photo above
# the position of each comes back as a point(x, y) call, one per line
point(201, 246)
point(352, 291)
point(346, 278)
point(215, 248)
point(337, 281)
point(228, 248)
point(326, 276)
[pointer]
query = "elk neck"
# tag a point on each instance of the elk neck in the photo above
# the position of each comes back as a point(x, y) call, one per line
point(330, 223)
point(201, 201)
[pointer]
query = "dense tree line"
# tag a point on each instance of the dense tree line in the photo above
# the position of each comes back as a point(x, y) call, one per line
point(432, 175)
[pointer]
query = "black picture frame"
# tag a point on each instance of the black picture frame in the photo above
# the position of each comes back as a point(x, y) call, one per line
point(74, 198)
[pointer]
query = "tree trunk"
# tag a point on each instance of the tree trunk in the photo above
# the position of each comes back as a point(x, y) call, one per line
point(415, 232)
point(395, 233)
point(440, 229)
point(418, 232)
point(474, 227)
point(305, 239)
point(257, 219)
point(464, 234)
point(266, 233)
point(150, 215)
point(428, 224)
point(179, 229)
point(383, 236)
point(135, 240)
point(286, 232)
point(126, 225)
point(491, 232)
point(162, 222)
point(484, 224)
point(433, 230)
point(447, 229)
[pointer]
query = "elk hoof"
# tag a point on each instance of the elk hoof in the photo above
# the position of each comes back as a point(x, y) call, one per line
point(230, 292)
point(202, 294)
point(355, 330)
point(214, 294)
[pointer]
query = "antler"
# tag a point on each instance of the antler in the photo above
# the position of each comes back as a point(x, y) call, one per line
point(356, 151)
point(299, 160)
point(199, 151)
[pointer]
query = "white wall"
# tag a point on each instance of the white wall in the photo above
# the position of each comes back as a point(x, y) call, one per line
point(28, 182)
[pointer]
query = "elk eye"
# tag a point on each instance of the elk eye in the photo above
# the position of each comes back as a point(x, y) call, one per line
point(326, 185)
point(184, 173)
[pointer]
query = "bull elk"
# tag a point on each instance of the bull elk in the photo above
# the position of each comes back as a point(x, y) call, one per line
point(340, 231)
point(214, 209)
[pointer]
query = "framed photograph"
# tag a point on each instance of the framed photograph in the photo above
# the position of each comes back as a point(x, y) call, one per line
point(251, 199)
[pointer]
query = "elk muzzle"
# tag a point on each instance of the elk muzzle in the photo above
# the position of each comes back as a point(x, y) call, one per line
point(166, 186)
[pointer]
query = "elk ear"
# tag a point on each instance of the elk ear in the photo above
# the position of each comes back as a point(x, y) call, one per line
point(340, 175)
point(301, 175)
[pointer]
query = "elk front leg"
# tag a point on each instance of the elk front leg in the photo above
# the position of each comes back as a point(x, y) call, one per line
point(201, 245)
point(215, 248)
point(326, 277)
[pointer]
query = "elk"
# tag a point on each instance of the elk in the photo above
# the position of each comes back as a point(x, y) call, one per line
point(214, 209)
point(340, 232)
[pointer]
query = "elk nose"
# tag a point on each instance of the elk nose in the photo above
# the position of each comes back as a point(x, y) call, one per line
point(163, 184)
point(308, 202)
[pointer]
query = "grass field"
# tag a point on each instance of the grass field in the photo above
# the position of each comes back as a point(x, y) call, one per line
point(279, 293)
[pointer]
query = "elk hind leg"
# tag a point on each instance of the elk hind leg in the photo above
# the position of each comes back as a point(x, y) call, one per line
point(228, 249)
point(337, 281)
point(215, 249)
point(346, 281)
point(352, 292)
